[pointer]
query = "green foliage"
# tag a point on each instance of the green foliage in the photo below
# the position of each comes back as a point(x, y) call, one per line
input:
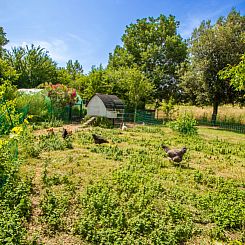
point(6, 71)
point(236, 74)
point(185, 124)
point(103, 122)
point(9, 117)
point(135, 87)
point(33, 146)
point(48, 124)
point(201, 82)
point(95, 82)
point(224, 208)
point(15, 204)
point(168, 107)
point(75, 69)
point(111, 152)
point(3, 40)
point(124, 210)
point(54, 208)
point(155, 48)
point(33, 64)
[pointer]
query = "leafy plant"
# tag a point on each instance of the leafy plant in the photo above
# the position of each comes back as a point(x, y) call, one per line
point(185, 124)
point(53, 209)
point(168, 108)
point(9, 117)
point(15, 204)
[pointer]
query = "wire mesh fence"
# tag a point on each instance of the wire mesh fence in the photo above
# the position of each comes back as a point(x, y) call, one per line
point(148, 117)
point(235, 127)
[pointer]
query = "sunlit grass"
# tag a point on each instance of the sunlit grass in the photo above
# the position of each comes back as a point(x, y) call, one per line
point(211, 155)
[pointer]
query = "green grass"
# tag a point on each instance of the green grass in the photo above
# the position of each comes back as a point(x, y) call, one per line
point(128, 192)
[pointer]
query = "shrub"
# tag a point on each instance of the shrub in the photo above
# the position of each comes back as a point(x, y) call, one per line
point(168, 108)
point(9, 117)
point(185, 124)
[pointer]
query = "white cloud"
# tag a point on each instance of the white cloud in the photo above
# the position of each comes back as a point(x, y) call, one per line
point(57, 49)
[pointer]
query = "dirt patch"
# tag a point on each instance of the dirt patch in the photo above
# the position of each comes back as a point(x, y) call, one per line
point(72, 127)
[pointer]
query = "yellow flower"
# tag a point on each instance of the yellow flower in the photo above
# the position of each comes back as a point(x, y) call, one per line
point(26, 121)
point(17, 130)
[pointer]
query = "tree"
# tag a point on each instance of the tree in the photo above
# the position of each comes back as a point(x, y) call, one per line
point(212, 47)
point(95, 82)
point(63, 76)
point(153, 45)
point(34, 66)
point(131, 85)
point(236, 74)
point(3, 40)
point(74, 69)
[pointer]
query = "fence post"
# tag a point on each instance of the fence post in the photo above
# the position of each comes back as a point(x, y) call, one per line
point(69, 115)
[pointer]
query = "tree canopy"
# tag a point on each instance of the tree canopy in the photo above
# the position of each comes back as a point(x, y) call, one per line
point(153, 64)
point(3, 40)
point(33, 65)
point(212, 47)
point(236, 74)
point(153, 45)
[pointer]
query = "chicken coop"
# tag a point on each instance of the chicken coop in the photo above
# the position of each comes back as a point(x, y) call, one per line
point(104, 105)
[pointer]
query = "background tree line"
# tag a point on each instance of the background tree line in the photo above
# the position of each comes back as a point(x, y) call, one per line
point(154, 63)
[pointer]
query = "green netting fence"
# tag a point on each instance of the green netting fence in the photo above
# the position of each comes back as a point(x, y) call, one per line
point(142, 117)
point(68, 113)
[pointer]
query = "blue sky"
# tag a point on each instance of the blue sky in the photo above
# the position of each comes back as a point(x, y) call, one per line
point(88, 30)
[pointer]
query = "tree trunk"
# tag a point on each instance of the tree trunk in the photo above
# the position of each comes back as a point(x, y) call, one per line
point(135, 113)
point(215, 112)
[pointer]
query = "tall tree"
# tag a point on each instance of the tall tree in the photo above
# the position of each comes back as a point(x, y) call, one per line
point(95, 82)
point(34, 66)
point(212, 47)
point(63, 76)
point(3, 40)
point(155, 47)
point(75, 69)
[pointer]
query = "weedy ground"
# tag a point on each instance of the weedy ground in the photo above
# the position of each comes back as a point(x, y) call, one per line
point(128, 192)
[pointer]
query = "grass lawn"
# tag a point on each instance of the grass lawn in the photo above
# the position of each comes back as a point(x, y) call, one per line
point(128, 192)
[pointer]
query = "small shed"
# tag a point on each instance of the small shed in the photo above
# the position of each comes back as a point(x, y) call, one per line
point(105, 105)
